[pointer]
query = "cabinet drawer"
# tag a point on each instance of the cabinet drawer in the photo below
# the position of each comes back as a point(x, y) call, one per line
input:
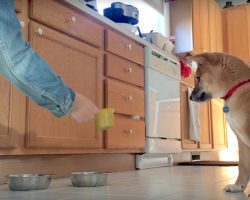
point(124, 70)
point(124, 47)
point(59, 16)
point(125, 99)
point(127, 133)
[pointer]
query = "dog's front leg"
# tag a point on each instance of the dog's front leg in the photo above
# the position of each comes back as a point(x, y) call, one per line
point(243, 176)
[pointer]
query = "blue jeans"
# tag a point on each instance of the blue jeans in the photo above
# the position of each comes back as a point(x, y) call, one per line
point(25, 69)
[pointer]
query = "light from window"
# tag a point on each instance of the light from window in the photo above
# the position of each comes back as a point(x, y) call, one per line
point(149, 18)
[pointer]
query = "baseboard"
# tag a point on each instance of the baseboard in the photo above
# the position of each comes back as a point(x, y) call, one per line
point(63, 165)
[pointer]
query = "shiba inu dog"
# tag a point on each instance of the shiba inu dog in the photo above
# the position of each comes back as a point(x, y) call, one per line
point(224, 76)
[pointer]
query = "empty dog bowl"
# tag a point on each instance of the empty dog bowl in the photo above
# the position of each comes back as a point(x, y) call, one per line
point(23, 182)
point(88, 179)
point(105, 119)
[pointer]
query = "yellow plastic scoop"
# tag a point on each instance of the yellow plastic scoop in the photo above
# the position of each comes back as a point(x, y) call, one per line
point(105, 119)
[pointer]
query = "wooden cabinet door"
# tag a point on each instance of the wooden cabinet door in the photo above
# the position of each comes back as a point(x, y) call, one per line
point(200, 26)
point(6, 134)
point(237, 25)
point(80, 66)
point(215, 27)
point(205, 126)
point(186, 143)
point(126, 134)
point(248, 30)
point(219, 130)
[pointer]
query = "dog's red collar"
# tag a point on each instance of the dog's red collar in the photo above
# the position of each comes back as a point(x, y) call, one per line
point(233, 89)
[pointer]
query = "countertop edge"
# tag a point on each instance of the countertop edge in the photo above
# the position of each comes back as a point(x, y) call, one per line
point(108, 22)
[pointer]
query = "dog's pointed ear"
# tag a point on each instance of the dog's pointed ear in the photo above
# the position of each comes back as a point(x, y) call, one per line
point(199, 58)
point(211, 58)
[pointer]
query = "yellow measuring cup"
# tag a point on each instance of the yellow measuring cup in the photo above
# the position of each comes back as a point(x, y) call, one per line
point(105, 119)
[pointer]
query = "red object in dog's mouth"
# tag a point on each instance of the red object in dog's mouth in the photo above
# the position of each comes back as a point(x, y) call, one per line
point(185, 69)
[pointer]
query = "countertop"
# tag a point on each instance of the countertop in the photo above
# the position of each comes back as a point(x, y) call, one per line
point(80, 5)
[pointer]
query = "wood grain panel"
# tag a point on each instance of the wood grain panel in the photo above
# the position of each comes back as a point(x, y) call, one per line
point(6, 134)
point(124, 70)
point(127, 133)
point(125, 99)
point(218, 125)
point(186, 143)
point(237, 32)
point(59, 16)
point(124, 47)
point(205, 124)
point(80, 66)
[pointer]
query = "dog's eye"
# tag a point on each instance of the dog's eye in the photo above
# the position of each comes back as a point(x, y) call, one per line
point(197, 79)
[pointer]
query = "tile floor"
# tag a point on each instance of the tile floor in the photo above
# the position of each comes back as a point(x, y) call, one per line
point(169, 183)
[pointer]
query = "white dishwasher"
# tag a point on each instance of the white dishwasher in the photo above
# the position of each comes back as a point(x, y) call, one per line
point(162, 96)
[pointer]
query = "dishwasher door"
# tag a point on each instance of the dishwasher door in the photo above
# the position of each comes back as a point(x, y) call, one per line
point(162, 90)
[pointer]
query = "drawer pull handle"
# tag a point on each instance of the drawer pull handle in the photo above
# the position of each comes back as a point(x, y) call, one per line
point(129, 47)
point(129, 131)
point(39, 31)
point(73, 19)
point(129, 70)
point(130, 98)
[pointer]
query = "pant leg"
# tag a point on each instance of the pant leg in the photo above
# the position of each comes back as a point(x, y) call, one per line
point(21, 65)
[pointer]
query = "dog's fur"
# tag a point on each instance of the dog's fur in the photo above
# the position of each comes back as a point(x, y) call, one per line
point(216, 74)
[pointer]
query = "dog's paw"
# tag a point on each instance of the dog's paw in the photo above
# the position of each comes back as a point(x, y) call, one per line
point(234, 188)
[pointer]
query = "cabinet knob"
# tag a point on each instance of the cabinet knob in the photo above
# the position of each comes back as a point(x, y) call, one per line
point(73, 19)
point(39, 31)
point(129, 131)
point(129, 69)
point(130, 98)
point(22, 23)
point(129, 47)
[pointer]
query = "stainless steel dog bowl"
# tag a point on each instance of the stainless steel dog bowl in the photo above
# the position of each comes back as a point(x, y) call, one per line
point(88, 179)
point(23, 182)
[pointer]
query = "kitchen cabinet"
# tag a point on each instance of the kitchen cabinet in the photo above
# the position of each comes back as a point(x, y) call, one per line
point(207, 26)
point(238, 31)
point(125, 99)
point(80, 66)
point(204, 117)
point(212, 121)
point(124, 83)
point(127, 133)
point(197, 25)
point(218, 121)
point(124, 47)
point(186, 142)
point(63, 18)
point(72, 42)
point(77, 55)
point(205, 126)
point(6, 133)
point(215, 27)
point(201, 25)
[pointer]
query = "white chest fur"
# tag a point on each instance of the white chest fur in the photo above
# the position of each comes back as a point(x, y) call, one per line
point(234, 123)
